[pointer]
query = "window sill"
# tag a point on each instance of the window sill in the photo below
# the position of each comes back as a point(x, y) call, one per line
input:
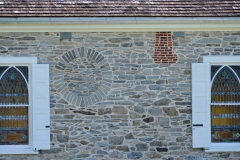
point(222, 149)
point(18, 151)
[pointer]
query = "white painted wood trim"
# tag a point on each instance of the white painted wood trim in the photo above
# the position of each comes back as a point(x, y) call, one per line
point(201, 122)
point(126, 27)
point(222, 150)
point(18, 151)
point(118, 24)
point(221, 59)
point(41, 107)
point(18, 60)
point(224, 147)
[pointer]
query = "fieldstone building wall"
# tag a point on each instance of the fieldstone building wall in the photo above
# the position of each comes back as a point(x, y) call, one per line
point(110, 100)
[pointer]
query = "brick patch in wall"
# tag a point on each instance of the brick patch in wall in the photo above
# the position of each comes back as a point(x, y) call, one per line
point(163, 49)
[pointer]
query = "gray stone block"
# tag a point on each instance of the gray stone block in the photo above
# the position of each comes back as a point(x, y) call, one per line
point(119, 110)
point(134, 155)
point(83, 155)
point(129, 136)
point(156, 87)
point(162, 149)
point(142, 147)
point(115, 140)
point(125, 103)
point(170, 111)
point(155, 111)
point(139, 76)
point(103, 111)
point(95, 139)
point(123, 148)
point(146, 139)
point(134, 115)
point(62, 138)
point(162, 102)
point(147, 82)
point(163, 122)
point(125, 76)
point(148, 120)
point(139, 109)
point(116, 154)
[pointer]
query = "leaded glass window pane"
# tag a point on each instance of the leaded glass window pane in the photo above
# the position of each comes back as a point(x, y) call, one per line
point(225, 123)
point(14, 105)
point(225, 113)
point(225, 86)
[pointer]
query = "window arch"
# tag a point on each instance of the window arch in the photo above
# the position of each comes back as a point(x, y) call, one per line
point(225, 85)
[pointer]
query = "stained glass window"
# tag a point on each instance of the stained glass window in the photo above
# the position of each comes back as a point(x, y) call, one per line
point(225, 112)
point(14, 105)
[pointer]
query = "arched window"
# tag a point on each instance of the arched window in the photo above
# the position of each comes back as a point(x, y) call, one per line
point(14, 104)
point(225, 113)
point(24, 106)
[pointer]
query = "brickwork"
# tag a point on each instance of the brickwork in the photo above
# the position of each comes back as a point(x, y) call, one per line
point(163, 49)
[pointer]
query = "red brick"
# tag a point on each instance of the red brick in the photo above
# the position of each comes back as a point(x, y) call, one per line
point(163, 49)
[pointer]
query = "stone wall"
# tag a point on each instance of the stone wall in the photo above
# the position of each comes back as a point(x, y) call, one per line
point(110, 100)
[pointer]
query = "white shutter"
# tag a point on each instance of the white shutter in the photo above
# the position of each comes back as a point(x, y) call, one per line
point(41, 107)
point(201, 118)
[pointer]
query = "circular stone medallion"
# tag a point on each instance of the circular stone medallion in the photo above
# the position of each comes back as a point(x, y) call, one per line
point(83, 77)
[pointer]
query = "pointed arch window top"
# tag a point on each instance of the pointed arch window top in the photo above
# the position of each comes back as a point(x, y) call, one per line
point(14, 85)
point(225, 84)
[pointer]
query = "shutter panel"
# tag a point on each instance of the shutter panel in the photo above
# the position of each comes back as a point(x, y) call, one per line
point(41, 107)
point(201, 118)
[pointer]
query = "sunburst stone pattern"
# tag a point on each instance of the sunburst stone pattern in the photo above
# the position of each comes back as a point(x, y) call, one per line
point(84, 77)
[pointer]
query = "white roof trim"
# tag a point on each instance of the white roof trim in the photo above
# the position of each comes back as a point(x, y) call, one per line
point(120, 24)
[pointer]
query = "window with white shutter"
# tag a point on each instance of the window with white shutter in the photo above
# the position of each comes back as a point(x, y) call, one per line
point(216, 104)
point(24, 106)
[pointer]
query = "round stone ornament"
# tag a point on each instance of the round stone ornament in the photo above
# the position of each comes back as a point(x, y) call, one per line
point(83, 77)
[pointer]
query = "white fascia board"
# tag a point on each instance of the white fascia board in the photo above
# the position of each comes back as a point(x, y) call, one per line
point(119, 24)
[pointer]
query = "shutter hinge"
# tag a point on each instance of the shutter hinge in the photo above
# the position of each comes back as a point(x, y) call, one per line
point(197, 125)
point(47, 126)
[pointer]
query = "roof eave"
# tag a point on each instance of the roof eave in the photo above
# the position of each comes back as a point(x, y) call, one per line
point(118, 24)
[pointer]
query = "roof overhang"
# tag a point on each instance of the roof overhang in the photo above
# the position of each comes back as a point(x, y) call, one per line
point(119, 24)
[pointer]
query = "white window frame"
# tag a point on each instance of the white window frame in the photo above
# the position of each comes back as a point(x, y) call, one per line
point(36, 141)
point(202, 128)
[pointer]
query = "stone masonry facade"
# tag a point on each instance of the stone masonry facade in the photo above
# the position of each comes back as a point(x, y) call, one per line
point(110, 100)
